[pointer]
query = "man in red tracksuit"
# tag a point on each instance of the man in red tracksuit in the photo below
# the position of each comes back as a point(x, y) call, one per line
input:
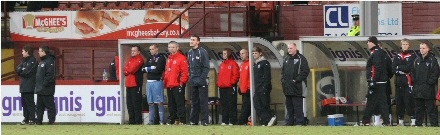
point(134, 79)
point(175, 78)
point(227, 82)
point(244, 87)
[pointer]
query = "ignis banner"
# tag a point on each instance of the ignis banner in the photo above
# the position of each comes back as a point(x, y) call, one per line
point(96, 24)
point(338, 20)
point(73, 103)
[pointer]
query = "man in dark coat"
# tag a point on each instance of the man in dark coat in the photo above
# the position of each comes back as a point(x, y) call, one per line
point(293, 77)
point(27, 71)
point(263, 87)
point(377, 78)
point(45, 86)
point(425, 78)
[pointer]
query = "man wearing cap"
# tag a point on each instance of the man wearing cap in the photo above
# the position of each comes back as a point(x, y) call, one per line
point(377, 78)
point(355, 30)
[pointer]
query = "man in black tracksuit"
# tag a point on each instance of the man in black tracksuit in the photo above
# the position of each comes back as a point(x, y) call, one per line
point(293, 75)
point(377, 78)
point(198, 62)
point(45, 85)
point(27, 71)
point(389, 69)
point(402, 65)
point(425, 75)
point(263, 87)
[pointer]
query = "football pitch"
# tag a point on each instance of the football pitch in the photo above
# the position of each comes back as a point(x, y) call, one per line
point(212, 130)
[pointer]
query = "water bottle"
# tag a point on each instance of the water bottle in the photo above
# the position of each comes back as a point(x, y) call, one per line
point(104, 75)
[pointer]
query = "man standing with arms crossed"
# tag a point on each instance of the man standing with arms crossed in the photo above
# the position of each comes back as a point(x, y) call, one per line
point(227, 82)
point(45, 86)
point(402, 64)
point(245, 88)
point(134, 79)
point(293, 77)
point(175, 77)
point(27, 71)
point(377, 77)
point(198, 60)
point(154, 68)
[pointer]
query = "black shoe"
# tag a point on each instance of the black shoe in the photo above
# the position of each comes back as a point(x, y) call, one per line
point(51, 123)
point(31, 122)
point(171, 122)
point(182, 121)
point(38, 123)
point(205, 124)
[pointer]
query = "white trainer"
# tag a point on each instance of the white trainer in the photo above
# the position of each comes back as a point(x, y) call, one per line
point(413, 122)
point(272, 121)
point(401, 123)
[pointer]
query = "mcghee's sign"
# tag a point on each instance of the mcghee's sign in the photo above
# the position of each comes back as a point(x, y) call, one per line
point(96, 24)
point(51, 24)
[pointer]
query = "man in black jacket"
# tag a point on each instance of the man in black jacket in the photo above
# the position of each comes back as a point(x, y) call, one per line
point(198, 62)
point(45, 85)
point(27, 71)
point(154, 67)
point(402, 65)
point(377, 78)
point(293, 77)
point(425, 78)
point(114, 69)
point(263, 87)
point(389, 68)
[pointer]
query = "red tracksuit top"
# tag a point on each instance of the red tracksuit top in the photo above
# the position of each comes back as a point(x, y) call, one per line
point(228, 74)
point(117, 67)
point(245, 75)
point(176, 65)
point(130, 68)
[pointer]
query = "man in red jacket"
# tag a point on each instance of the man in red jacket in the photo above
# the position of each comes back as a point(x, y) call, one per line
point(244, 87)
point(227, 82)
point(134, 79)
point(175, 77)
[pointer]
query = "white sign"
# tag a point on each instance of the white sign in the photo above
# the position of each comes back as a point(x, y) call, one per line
point(74, 103)
point(96, 24)
point(338, 21)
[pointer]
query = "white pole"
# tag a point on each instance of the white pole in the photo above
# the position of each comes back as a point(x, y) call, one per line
point(121, 82)
point(251, 63)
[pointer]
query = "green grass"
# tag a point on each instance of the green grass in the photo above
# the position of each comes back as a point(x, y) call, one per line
point(211, 130)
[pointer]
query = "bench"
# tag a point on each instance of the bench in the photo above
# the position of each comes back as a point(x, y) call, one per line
point(360, 104)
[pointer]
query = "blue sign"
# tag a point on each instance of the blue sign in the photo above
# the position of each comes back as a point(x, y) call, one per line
point(336, 17)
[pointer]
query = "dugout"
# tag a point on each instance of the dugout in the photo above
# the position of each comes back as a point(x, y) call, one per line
point(214, 46)
point(338, 69)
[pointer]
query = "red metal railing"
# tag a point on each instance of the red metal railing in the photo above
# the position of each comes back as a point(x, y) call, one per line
point(248, 13)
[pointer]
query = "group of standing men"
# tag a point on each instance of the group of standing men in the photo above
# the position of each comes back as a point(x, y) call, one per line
point(173, 74)
point(416, 79)
point(37, 78)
